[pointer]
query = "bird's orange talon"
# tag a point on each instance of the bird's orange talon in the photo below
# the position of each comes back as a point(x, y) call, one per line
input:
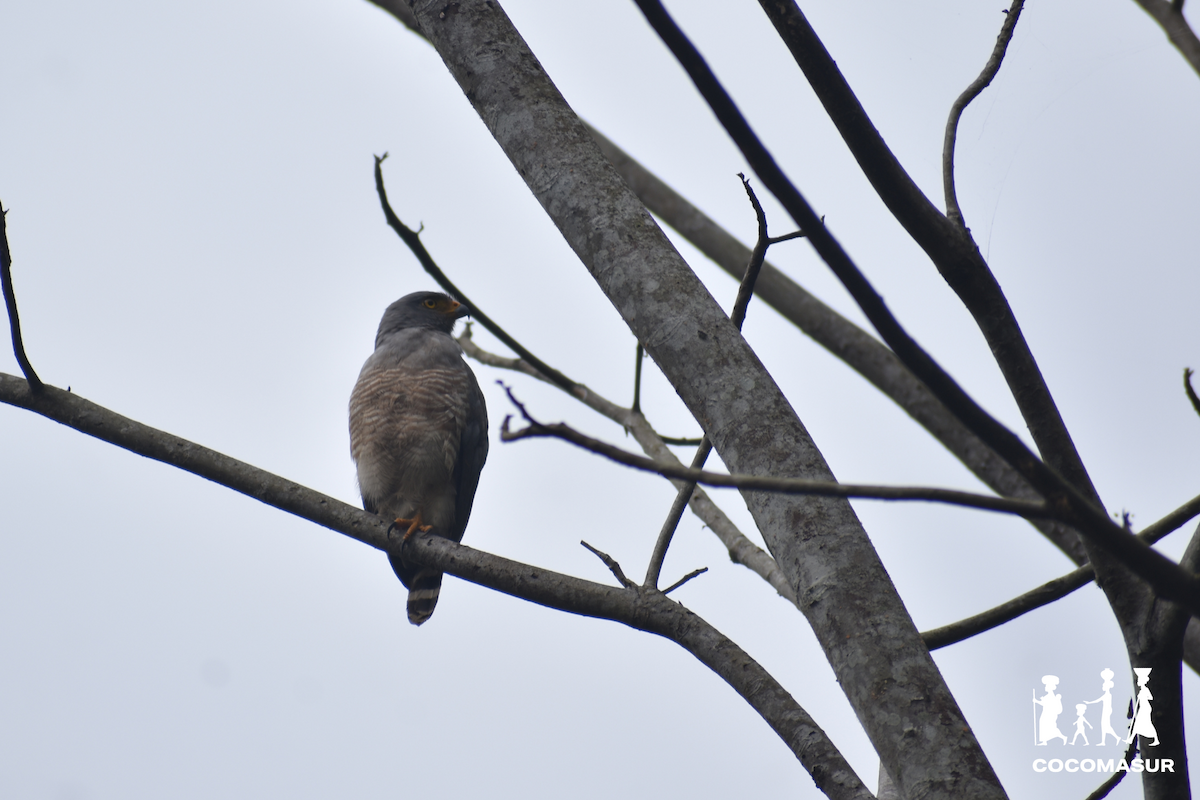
point(413, 525)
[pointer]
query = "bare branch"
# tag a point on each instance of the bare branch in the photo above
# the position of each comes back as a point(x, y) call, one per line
point(1078, 504)
point(652, 612)
point(638, 357)
point(1191, 392)
point(10, 301)
point(612, 565)
point(1169, 15)
point(970, 93)
point(754, 483)
point(1053, 590)
point(1102, 791)
point(694, 573)
point(746, 288)
point(413, 240)
point(667, 532)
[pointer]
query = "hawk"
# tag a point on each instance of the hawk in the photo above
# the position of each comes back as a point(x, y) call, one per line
point(418, 432)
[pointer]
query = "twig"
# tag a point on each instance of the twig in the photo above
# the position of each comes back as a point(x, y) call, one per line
point(413, 240)
point(612, 565)
point(637, 379)
point(1048, 592)
point(667, 532)
point(636, 408)
point(1006, 612)
point(1069, 502)
point(654, 614)
point(970, 93)
point(740, 305)
point(746, 288)
point(685, 579)
point(787, 237)
point(755, 483)
point(1191, 392)
point(1169, 15)
point(10, 301)
point(741, 549)
point(682, 441)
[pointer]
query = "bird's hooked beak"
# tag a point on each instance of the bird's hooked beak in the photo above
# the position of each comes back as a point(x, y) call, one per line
point(457, 310)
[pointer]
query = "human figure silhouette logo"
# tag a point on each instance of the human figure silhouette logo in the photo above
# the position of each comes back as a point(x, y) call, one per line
point(1106, 728)
point(1049, 707)
point(1080, 710)
point(1142, 724)
point(1051, 703)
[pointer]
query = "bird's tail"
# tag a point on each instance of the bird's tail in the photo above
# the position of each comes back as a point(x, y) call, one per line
point(423, 595)
point(424, 585)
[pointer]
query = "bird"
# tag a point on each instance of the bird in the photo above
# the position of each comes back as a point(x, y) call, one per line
point(419, 433)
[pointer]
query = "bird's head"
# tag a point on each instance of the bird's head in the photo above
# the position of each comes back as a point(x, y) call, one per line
point(432, 310)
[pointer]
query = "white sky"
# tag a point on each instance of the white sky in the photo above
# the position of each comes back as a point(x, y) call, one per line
point(197, 245)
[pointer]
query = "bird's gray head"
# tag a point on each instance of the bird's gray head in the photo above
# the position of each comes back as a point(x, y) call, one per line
point(432, 310)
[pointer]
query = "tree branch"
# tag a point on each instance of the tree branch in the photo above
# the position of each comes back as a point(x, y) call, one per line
point(693, 574)
point(652, 612)
point(756, 483)
point(1166, 577)
point(413, 240)
point(1189, 391)
point(10, 302)
point(1169, 15)
point(970, 93)
point(612, 565)
point(1103, 790)
point(1053, 590)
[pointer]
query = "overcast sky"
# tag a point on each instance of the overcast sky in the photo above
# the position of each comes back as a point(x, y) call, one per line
point(197, 245)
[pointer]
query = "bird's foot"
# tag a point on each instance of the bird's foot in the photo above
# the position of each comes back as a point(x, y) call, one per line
point(413, 525)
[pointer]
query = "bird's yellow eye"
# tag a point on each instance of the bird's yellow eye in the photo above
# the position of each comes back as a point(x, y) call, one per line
point(431, 303)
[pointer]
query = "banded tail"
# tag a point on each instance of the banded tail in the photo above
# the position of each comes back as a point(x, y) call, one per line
point(424, 586)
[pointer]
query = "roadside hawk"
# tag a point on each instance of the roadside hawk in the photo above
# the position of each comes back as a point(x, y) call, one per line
point(418, 432)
